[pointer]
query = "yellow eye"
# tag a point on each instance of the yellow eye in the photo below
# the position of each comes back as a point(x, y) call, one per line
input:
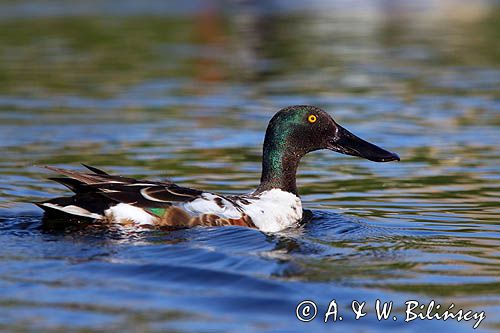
point(312, 118)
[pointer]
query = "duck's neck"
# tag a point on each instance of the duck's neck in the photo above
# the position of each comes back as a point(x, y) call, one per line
point(279, 166)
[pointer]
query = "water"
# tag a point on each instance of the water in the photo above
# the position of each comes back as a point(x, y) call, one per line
point(186, 92)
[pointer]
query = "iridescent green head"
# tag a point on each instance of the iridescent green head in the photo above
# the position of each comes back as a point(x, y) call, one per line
point(297, 130)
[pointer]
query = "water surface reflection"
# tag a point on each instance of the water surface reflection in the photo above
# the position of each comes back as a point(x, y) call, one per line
point(147, 92)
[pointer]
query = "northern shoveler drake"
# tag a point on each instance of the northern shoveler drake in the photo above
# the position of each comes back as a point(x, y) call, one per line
point(275, 204)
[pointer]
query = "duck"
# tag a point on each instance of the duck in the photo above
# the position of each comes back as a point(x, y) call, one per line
point(273, 206)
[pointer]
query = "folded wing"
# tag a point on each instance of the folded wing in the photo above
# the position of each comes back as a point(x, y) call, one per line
point(99, 195)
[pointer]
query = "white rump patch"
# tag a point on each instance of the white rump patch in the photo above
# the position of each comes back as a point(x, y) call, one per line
point(73, 210)
point(125, 212)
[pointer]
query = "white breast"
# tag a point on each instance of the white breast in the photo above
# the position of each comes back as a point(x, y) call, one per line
point(271, 211)
point(274, 210)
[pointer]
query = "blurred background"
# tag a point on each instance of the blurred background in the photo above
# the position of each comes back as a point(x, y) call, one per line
point(184, 89)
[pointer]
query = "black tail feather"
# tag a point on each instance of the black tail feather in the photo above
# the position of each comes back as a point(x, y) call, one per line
point(94, 203)
point(53, 212)
point(73, 184)
point(95, 170)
